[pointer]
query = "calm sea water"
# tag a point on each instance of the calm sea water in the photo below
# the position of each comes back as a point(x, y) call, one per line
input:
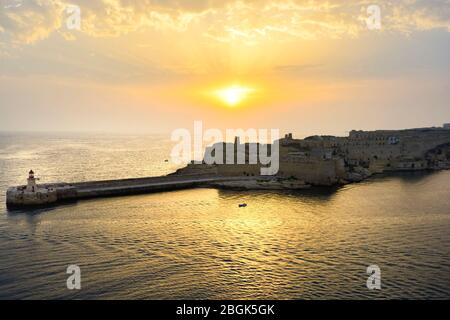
point(197, 244)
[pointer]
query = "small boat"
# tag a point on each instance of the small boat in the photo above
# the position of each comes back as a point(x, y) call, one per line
point(242, 205)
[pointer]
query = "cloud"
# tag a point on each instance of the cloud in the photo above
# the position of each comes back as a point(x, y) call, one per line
point(248, 21)
point(408, 16)
point(295, 69)
point(28, 22)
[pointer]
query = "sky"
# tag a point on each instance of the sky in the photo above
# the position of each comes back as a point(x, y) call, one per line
point(147, 66)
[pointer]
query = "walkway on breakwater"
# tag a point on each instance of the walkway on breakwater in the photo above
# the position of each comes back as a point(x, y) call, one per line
point(144, 185)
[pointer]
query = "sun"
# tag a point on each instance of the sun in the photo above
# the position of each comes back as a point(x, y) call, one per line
point(234, 95)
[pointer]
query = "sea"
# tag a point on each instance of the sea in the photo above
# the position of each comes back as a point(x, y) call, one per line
point(199, 244)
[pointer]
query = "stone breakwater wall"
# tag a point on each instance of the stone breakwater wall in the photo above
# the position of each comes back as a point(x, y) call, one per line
point(47, 194)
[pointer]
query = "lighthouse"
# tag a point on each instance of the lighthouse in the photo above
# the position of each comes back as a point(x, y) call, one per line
point(31, 185)
point(31, 194)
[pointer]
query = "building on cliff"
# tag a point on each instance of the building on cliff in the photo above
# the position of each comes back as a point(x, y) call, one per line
point(329, 160)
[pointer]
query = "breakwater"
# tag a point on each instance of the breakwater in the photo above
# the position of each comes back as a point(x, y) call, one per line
point(45, 194)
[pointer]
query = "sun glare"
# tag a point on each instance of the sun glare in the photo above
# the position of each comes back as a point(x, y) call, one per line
point(234, 95)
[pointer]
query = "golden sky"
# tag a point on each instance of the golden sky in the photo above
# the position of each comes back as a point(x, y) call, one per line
point(155, 65)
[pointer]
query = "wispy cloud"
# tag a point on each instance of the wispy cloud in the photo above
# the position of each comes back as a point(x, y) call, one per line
point(29, 21)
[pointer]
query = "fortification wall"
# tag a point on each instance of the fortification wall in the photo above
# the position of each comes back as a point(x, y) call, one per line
point(392, 146)
point(316, 172)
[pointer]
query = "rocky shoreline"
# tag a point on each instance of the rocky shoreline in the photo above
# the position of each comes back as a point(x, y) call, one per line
point(262, 184)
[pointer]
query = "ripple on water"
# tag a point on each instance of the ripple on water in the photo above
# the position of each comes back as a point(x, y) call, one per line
point(197, 244)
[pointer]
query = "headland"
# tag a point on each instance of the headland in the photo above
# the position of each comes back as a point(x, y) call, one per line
point(312, 161)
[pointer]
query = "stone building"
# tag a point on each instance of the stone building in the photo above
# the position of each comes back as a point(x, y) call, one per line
point(329, 160)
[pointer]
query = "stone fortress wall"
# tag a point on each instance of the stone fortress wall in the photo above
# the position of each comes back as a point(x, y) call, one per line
point(395, 150)
point(363, 153)
point(329, 160)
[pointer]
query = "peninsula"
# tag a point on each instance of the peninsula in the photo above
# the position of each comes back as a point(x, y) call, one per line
point(313, 161)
